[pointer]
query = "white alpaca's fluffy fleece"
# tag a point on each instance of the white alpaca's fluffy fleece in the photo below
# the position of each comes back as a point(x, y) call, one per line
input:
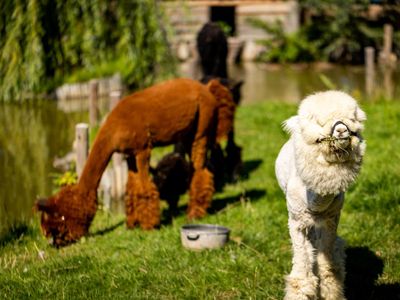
point(314, 168)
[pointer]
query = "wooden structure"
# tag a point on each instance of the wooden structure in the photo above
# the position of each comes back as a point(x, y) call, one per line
point(387, 59)
point(369, 54)
point(187, 17)
point(81, 146)
point(113, 181)
point(82, 90)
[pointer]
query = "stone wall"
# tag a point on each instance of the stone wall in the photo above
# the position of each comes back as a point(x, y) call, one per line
point(187, 17)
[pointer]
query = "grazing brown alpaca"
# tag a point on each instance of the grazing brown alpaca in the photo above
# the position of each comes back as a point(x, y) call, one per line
point(172, 173)
point(179, 110)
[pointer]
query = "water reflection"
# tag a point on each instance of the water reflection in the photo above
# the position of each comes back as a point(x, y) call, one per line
point(31, 135)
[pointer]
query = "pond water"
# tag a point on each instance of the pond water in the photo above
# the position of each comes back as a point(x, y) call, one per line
point(291, 83)
point(33, 133)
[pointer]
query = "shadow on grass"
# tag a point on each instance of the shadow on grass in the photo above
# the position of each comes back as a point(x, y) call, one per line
point(16, 233)
point(217, 205)
point(108, 229)
point(363, 268)
point(243, 173)
point(249, 166)
point(173, 211)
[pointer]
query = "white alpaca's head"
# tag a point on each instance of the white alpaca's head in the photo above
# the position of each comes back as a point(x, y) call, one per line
point(331, 121)
point(327, 134)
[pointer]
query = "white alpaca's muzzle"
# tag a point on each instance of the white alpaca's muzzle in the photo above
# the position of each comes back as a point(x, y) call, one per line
point(340, 135)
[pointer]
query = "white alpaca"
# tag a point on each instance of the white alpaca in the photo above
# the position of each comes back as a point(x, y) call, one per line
point(314, 168)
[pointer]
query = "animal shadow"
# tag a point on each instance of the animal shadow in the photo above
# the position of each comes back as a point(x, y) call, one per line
point(249, 166)
point(108, 229)
point(217, 205)
point(363, 267)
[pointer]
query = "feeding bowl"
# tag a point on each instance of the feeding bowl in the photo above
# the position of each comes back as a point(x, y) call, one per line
point(204, 236)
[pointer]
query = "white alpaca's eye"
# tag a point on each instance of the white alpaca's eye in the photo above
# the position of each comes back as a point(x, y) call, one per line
point(321, 122)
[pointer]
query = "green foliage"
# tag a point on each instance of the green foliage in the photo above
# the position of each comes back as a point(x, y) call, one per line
point(113, 262)
point(282, 47)
point(338, 26)
point(225, 27)
point(334, 30)
point(67, 178)
point(43, 42)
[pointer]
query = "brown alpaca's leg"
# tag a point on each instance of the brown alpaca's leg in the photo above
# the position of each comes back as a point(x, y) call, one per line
point(147, 200)
point(131, 198)
point(202, 184)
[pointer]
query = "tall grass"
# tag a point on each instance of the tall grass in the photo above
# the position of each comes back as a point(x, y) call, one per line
point(115, 262)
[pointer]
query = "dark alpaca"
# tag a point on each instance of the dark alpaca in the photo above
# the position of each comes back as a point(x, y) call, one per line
point(212, 46)
point(180, 110)
point(172, 177)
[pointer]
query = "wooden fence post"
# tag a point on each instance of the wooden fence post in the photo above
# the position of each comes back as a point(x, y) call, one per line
point(81, 146)
point(118, 185)
point(387, 59)
point(369, 56)
point(118, 189)
point(388, 84)
point(115, 96)
point(116, 90)
point(93, 102)
point(387, 39)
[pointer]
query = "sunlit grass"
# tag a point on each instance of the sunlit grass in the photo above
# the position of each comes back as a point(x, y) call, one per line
point(115, 262)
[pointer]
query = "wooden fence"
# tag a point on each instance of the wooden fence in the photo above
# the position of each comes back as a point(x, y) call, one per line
point(112, 184)
point(386, 61)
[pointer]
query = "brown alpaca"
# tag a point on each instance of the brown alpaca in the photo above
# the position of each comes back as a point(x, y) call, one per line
point(179, 110)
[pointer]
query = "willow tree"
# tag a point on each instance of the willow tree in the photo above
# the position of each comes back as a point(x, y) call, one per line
point(43, 42)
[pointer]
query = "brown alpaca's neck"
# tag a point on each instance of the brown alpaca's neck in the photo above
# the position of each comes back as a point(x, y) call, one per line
point(96, 163)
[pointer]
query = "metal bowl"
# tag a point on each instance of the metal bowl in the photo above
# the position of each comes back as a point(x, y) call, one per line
point(204, 236)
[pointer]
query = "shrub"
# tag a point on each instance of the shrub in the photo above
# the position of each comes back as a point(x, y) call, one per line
point(334, 30)
point(285, 48)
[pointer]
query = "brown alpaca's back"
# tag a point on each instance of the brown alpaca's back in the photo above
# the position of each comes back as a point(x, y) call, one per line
point(161, 115)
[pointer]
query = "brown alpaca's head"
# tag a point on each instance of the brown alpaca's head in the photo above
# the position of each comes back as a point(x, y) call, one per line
point(226, 108)
point(67, 215)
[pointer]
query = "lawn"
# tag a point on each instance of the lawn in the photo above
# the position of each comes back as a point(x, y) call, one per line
point(113, 262)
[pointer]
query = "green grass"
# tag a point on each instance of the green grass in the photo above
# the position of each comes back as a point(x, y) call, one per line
point(113, 262)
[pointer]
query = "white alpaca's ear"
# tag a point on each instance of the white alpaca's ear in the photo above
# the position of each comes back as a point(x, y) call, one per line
point(291, 125)
point(360, 115)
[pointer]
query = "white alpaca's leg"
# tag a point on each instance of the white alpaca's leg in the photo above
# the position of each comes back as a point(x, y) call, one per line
point(331, 261)
point(301, 283)
point(339, 258)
